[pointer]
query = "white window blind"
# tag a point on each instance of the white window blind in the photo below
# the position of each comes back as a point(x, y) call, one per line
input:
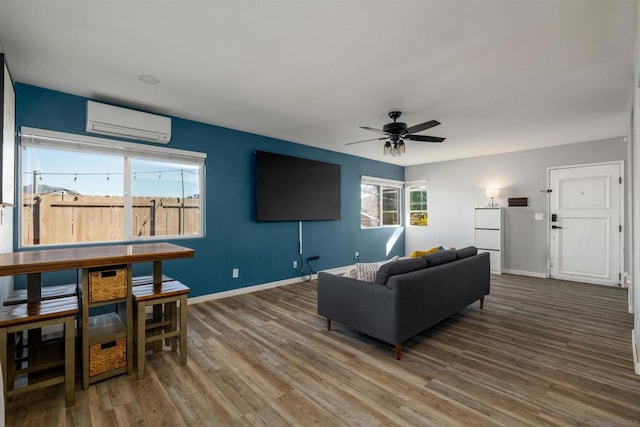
point(41, 138)
point(381, 181)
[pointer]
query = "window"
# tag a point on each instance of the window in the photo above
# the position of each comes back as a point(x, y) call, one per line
point(379, 202)
point(173, 212)
point(417, 206)
point(80, 189)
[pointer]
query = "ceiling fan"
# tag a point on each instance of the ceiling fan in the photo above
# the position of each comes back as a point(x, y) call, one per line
point(396, 132)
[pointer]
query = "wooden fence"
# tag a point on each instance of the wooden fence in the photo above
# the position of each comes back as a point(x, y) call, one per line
point(64, 218)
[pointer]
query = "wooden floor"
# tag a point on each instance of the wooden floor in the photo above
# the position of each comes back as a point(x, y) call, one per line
point(541, 353)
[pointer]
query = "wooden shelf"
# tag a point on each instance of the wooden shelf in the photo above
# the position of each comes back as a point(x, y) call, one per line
point(103, 303)
point(106, 327)
point(108, 374)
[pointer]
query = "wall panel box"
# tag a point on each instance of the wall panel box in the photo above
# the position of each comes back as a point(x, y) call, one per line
point(518, 201)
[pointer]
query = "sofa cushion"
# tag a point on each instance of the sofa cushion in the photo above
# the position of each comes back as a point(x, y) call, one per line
point(399, 267)
point(351, 273)
point(417, 254)
point(466, 252)
point(367, 271)
point(441, 257)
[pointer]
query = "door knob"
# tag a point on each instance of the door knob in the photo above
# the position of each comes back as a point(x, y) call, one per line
point(555, 227)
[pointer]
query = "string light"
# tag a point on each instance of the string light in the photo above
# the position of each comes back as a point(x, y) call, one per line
point(108, 174)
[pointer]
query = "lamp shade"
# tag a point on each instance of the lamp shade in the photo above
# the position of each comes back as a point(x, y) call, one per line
point(493, 192)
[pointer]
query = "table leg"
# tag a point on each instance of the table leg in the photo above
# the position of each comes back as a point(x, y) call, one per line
point(157, 309)
point(183, 330)
point(34, 288)
point(69, 361)
point(3, 362)
point(85, 328)
point(171, 313)
point(157, 272)
point(140, 339)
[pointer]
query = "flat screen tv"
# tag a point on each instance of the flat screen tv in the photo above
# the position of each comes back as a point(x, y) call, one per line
point(294, 189)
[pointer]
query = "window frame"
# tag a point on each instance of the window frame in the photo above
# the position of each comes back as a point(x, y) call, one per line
point(383, 184)
point(416, 186)
point(47, 139)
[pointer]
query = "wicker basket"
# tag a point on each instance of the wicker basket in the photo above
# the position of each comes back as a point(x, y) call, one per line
point(107, 356)
point(107, 284)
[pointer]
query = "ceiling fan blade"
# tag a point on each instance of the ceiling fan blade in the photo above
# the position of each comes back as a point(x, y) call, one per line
point(373, 130)
point(424, 138)
point(422, 126)
point(365, 140)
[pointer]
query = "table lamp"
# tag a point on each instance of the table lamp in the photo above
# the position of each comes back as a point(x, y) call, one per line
point(493, 193)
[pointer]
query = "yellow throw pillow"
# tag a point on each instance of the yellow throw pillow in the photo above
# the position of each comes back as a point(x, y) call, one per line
point(417, 254)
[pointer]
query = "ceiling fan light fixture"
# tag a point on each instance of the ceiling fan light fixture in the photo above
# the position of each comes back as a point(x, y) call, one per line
point(387, 149)
point(401, 148)
point(396, 132)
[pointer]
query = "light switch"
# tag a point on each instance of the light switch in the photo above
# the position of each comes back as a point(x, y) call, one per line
point(539, 216)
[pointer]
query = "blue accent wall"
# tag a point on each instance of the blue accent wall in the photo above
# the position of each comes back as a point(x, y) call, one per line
point(233, 239)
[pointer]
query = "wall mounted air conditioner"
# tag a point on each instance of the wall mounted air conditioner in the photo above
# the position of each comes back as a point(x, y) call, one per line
point(130, 124)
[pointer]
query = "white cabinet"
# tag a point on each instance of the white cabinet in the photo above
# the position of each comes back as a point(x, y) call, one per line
point(489, 234)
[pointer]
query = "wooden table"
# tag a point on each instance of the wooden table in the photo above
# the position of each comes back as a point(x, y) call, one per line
point(34, 263)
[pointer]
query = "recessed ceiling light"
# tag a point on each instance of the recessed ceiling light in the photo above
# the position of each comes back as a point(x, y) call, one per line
point(147, 78)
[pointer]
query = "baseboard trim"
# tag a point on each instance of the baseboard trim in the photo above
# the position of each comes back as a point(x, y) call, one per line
point(256, 288)
point(634, 350)
point(524, 273)
point(245, 290)
point(337, 270)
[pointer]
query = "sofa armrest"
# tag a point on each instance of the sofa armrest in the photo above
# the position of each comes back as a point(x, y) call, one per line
point(367, 307)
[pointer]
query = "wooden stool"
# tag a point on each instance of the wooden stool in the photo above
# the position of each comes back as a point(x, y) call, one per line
point(23, 317)
point(165, 295)
point(157, 310)
point(147, 280)
point(19, 296)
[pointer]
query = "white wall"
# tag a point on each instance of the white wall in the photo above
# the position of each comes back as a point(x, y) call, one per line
point(6, 245)
point(6, 239)
point(635, 280)
point(635, 148)
point(455, 187)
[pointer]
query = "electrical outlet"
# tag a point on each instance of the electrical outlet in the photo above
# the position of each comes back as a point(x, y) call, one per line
point(295, 264)
point(539, 216)
point(357, 255)
point(235, 273)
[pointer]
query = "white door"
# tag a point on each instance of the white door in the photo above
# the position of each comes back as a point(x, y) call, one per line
point(585, 238)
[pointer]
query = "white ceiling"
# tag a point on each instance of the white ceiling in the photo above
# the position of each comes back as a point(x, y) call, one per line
point(500, 75)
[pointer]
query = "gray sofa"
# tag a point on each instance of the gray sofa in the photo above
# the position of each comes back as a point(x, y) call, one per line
point(408, 296)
